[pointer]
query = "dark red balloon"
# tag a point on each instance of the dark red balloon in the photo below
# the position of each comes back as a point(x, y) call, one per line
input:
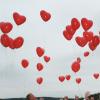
point(91, 46)
point(25, 63)
point(39, 80)
point(68, 77)
point(75, 66)
point(45, 15)
point(96, 75)
point(18, 42)
point(95, 40)
point(86, 54)
point(78, 80)
point(88, 36)
point(46, 58)
point(5, 40)
point(75, 23)
point(70, 30)
point(81, 41)
point(67, 35)
point(61, 78)
point(19, 19)
point(6, 27)
point(39, 66)
point(40, 51)
point(86, 24)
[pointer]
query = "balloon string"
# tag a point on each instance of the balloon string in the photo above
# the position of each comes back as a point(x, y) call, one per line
point(79, 90)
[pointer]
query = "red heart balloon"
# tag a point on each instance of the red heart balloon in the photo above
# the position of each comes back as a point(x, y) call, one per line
point(45, 15)
point(61, 78)
point(67, 35)
point(70, 30)
point(81, 41)
point(19, 19)
point(40, 51)
point(18, 42)
point(96, 75)
point(75, 66)
point(24, 63)
point(6, 27)
point(68, 77)
point(39, 66)
point(78, 80)
point(5, 40)
point(91, 46)
point(46, 58)
point(86, 24)
point(95, 40)
point(88, 35)
point(75, 23)
point(39, 80)
point(86, 54)
point(11, 43)
point(78, 59)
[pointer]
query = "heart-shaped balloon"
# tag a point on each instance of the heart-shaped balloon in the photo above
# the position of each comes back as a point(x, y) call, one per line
point(78, 80)
point(75, 23)
point(39, 80)
point(75, 66)
point(46, 58)
point(67, 35)
point(6, 27)
point(88, 35)
point(86, 24)
point(19, 19)
point(40, 51)
point(95, 40)
point(5, 40)
point(70, 30)
point(96, 75)
point(68, 77)
point(86, 53)
point(81, 41)
point(91, 46)
point(61, 78)
point(39, 66)
point(18, 42)
point(24, 63)
point(45, 15)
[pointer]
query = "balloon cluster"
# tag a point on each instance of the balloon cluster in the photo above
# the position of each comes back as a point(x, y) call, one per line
point(88, 37)
point(6, 27)
point(45, 16)
point(68, 78)
point(40, 52)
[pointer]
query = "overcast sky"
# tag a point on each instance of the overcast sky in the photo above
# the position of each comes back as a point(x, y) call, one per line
point(16, 81)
